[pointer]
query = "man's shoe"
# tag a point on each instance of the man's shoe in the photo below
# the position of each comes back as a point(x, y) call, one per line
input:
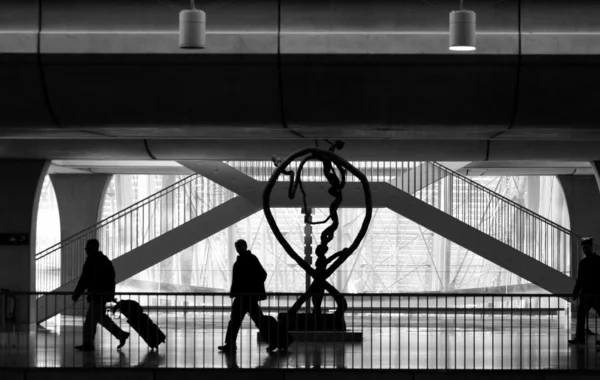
point(122, 341)
point(84, 348)
point(227, 348)
point(576, 341)
point(274, 346)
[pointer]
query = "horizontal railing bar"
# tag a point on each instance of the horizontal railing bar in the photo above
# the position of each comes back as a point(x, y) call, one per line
point(366, 309)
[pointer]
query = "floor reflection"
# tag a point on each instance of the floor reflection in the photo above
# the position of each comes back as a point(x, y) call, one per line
point(382, 348)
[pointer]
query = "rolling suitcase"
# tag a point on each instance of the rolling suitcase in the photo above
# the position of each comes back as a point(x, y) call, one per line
point(273, 334)
point(148, 330)
point(141, 323)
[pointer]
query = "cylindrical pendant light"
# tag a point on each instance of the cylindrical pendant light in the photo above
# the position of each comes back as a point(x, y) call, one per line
point(192, 28)
point(462, 30)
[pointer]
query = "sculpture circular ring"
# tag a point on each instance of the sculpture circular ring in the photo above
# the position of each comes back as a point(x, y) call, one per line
point(334, 158)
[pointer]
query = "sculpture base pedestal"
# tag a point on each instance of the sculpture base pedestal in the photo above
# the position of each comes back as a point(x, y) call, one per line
point(322, 336)
point(312, 322)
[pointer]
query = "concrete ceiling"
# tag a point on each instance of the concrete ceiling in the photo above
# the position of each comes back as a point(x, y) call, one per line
point(116, 167)
point(106, 80)
point(366, 149)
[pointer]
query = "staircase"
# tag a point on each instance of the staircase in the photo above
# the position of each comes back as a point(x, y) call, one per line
point(471, 215)
point(140, 236)
point(156, 250)
point(498, 217)
point(469, 234)
point(128, 229)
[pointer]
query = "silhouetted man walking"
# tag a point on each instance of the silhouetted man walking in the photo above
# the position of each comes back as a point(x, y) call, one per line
point(248, 277)
point(98, 277)
point(588, 287)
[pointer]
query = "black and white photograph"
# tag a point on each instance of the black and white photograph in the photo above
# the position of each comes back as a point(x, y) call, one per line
point(299, 189)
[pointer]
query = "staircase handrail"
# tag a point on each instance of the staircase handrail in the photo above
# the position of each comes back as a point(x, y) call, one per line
point(504, 199)
point(248, 166)
point(116, 216)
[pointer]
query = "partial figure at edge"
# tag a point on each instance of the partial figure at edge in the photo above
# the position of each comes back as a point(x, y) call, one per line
point(588, 287)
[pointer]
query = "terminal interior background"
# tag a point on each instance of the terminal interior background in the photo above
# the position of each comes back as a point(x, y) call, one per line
point(101, 91)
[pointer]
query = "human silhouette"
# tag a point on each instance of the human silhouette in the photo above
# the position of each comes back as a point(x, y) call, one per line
point(588, 287)
point(247, 289)
point(98, 278)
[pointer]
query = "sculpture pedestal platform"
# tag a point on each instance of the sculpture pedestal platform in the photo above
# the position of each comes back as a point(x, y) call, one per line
point(312, 322)
point(327, 328)
point(322, 336)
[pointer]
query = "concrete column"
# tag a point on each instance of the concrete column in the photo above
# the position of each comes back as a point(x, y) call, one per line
point(79, 198)
point(19, 197)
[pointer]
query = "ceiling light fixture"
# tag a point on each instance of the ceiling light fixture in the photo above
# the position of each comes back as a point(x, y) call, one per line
point(462, 29)
point(192, 28)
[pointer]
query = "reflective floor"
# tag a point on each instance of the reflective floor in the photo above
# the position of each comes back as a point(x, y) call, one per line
point(495, 344)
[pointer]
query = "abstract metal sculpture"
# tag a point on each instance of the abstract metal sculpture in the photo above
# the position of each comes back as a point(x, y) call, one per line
point(325, 265)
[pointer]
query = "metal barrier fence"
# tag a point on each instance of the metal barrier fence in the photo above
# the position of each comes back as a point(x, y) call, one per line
point(382, 331)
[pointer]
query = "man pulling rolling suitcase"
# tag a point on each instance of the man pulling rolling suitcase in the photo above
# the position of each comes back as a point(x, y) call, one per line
point(247, 289)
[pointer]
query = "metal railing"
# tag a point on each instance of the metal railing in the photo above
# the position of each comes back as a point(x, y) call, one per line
point(129, 228)
point(460, 197)
point(376, 171)
point(382, 331)
point(499, 217)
